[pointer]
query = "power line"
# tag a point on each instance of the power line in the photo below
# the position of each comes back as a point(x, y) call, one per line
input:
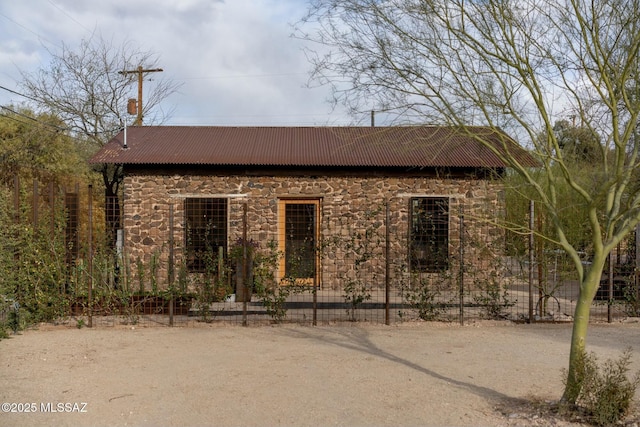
point(18, 93)
point(39, 36)
point(58, 128)
point(241, 76)
point(69, 16)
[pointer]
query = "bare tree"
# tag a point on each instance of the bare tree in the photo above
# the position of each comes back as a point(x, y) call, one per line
point(518, 65)
point(86, 89)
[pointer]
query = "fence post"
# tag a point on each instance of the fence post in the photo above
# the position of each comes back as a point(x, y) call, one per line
point(16, 220)
point(16, 199)
point(77, 214)
point(461, 296)
point(531, 258)
point(245, 266)
point(316, 265)
point(90, 256)
point(387, 278)
point(52, 208)
point(52, 205)
point(170, 267)
point(314, 302)
point(35, 205)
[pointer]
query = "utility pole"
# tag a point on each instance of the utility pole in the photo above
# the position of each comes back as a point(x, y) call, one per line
point(140, 71)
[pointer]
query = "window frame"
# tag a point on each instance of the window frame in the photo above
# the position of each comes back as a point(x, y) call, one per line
point(314, 280)
point(429, 222)
point(196, 228)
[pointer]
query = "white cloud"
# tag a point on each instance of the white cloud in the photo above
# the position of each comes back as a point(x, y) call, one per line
point(236, 59)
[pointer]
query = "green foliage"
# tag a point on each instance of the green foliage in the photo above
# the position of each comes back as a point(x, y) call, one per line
point(13, 322)
point(493, 298)
point(362, 243)
point(631, 300)
point(141, 275)
point(572, 216)
point(204, 298)
point(154, 265)
point(183, 278)
point(216, 282)
point(39, 149)
point(36, 268)
point(604, 391)
point(129, 310)
point(265, 265)
point(356, 292)
point(273, 294)
point(11, 312)
point(579, 144)
point(32, 261)
point(274, 300)
point(423, 296)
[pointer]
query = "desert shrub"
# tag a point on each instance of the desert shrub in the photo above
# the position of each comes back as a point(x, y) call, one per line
point(605, 391)
point(273, 294)
point(274, 300)
point(423, 300)
point(493, 297)
point(631, 300)
point(355, 293)
point(32, 264)
point(427, 298)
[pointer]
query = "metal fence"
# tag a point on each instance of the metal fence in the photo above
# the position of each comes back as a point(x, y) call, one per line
point(489, 273)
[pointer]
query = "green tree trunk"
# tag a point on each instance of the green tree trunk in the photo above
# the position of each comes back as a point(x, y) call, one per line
point(588, 289)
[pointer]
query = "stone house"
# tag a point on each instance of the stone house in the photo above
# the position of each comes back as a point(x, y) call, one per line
point(192, 189)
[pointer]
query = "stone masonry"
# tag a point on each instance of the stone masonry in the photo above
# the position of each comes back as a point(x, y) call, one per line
point(352, 209)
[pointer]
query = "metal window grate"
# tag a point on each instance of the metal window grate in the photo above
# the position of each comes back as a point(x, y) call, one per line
point(206, 230)
point(429, 234)
point(300, 239)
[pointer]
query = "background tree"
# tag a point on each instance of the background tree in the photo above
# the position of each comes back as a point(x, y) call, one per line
point(39, 147)
point(34, 264)
point(577, 143)
point(516, 65)
point(85, 89)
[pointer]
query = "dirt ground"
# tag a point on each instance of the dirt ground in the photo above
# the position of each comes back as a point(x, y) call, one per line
point(427, 374)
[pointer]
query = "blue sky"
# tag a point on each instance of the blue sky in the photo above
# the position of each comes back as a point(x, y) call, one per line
point(235, 59)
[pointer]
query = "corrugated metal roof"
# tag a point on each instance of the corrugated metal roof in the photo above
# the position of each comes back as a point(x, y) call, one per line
point(405, 146)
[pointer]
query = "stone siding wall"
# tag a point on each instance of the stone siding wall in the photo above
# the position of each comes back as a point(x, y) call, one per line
point(352, 213)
